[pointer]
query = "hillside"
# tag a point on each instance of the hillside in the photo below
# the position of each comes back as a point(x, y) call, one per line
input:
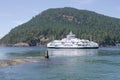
point(56, 23)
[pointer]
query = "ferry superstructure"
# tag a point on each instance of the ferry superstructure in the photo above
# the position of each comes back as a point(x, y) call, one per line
point(71, 42)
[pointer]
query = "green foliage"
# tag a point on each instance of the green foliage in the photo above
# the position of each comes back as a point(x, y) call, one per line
point(56, 23)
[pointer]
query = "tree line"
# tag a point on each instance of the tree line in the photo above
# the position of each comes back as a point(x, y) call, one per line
point(57, 23)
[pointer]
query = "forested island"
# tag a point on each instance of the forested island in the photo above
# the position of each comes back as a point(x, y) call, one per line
point(56, 23)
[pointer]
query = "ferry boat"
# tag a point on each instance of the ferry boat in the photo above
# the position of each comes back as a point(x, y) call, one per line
point(71, 42)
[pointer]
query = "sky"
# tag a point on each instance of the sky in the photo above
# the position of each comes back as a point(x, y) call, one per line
point(16, 12)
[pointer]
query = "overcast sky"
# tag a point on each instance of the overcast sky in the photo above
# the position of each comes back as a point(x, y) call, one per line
point(16, 12)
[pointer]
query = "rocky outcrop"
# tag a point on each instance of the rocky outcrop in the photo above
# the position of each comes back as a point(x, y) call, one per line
point(21, 44)
point(6, 45)
point(118, 44)
point(69, 18)
point(14, 62)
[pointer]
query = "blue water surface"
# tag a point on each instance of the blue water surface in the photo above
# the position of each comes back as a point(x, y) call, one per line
point(63, 64)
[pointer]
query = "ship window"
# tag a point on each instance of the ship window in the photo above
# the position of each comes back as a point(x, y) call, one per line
point(79, 44)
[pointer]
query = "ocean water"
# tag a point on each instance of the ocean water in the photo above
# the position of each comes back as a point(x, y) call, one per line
point(63, 64)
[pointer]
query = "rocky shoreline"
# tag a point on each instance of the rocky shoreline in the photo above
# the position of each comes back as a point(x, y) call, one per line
point(13, 62)
point(20, 44)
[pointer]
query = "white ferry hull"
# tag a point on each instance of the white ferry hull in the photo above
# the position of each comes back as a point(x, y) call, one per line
point(71, 42)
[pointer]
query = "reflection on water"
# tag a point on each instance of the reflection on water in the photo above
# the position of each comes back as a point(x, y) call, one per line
point(72, 52)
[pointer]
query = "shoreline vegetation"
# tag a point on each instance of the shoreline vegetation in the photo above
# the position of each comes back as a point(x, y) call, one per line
point(13, 62)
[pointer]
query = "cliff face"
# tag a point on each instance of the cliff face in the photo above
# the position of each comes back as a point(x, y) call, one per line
point(56, 23)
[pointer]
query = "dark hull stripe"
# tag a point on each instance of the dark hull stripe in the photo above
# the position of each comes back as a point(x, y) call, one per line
point(74, 47)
